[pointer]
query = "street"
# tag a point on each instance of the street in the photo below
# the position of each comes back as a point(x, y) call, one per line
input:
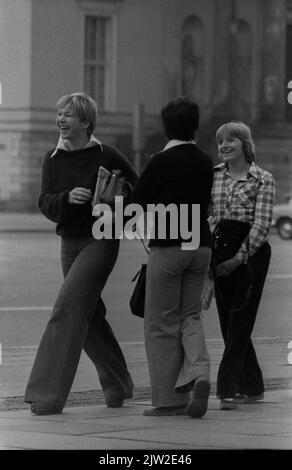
point(30, 277)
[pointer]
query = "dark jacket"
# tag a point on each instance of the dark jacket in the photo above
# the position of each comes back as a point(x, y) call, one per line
point(67, 170)
point(182, 174)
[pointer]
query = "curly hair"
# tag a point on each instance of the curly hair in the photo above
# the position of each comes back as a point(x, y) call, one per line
point(180, 118)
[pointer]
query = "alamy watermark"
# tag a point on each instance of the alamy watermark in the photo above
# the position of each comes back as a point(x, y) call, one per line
point(289, 97)
point(174, 221)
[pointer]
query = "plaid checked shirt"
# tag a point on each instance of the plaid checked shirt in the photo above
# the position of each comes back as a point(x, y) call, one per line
point(248, 199)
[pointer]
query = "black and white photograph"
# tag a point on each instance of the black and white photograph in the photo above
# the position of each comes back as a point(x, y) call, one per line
point(146, 228)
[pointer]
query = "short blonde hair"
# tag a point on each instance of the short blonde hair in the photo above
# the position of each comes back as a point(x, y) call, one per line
point(84, 106)
point(241, 131)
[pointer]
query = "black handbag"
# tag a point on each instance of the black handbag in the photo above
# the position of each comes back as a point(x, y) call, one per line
point(137, 300)
point(228, 236)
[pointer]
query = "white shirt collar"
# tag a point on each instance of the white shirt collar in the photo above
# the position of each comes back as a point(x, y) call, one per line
point(63, 145)
point(174, 142)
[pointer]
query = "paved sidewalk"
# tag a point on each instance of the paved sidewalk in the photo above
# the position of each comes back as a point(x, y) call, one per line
point(26, 222)
point(87, 424)
point(266, 425)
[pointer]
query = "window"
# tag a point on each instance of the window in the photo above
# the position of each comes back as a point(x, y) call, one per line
point(97, 57)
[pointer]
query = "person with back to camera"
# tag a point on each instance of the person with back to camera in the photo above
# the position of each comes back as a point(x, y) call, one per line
point(78, 318)
point(177, 355)
point(241, 209)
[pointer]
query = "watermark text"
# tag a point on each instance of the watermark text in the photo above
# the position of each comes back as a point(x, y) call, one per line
point(159, 221)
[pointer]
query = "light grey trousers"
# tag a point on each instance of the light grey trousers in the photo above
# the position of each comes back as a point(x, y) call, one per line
point(174, 337)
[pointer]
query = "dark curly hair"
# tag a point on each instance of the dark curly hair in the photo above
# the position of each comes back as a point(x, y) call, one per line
point(180, 118)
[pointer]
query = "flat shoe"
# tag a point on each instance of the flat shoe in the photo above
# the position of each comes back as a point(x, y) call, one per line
point(115, 398)
point(115, 403)
point(242, 398)
point(37, 408)
point(227, 404)
point(165, 411)
point(199, 404)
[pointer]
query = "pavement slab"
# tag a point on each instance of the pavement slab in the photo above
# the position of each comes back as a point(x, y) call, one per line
point(266, 425)
point(87, 424)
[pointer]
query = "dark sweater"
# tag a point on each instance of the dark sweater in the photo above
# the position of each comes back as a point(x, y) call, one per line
point(67, 170)
point(182, 174)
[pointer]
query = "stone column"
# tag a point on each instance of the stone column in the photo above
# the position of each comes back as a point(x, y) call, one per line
point(272, 84)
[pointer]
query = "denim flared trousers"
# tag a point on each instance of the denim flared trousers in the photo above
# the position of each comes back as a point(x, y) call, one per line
point(78, 321)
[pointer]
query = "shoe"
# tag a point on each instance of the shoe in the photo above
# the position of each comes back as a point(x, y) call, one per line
point(115, 398)
point(242, 398)
point(199, 404)
point(227, 404)
point(115, 403)
point(165, 411)
point(37, 408)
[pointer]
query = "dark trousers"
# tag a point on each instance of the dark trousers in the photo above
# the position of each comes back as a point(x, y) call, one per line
point(78, 321)
point(239, 371)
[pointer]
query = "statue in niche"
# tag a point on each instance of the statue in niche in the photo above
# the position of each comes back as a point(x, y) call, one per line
point(270, 89)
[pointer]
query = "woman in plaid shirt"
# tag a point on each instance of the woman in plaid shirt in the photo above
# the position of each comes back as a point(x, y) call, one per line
point(242, 191)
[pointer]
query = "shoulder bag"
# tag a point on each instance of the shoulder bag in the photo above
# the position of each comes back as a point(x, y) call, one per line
point(137, 300)
point(228, 236)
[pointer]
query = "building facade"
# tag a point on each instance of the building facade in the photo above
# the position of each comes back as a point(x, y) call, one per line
point(232, 56)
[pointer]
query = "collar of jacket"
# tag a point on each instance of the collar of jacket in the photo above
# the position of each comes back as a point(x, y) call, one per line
point(174, 142)
point(63, 145)
point(254, 170)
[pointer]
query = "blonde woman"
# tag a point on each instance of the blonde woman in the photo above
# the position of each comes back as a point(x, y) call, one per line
point(78, 317)
point(242, 204)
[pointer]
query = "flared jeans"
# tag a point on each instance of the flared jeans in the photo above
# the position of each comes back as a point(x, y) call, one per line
point(78, 321)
